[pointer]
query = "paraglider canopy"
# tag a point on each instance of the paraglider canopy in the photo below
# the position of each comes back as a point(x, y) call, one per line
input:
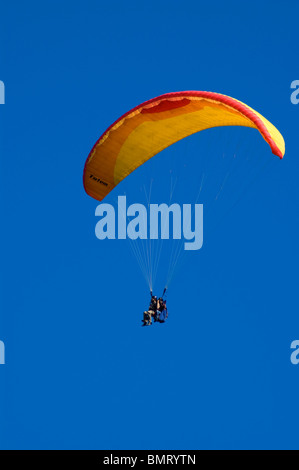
point(154, 125)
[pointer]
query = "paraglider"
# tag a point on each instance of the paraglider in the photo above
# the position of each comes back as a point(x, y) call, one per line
point(157, 311)
point(151, 312)
point(154, 125)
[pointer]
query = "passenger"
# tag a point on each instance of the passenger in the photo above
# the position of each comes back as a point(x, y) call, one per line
point(162, 312)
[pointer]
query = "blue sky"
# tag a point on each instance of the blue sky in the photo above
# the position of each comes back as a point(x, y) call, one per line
point(80, 372)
